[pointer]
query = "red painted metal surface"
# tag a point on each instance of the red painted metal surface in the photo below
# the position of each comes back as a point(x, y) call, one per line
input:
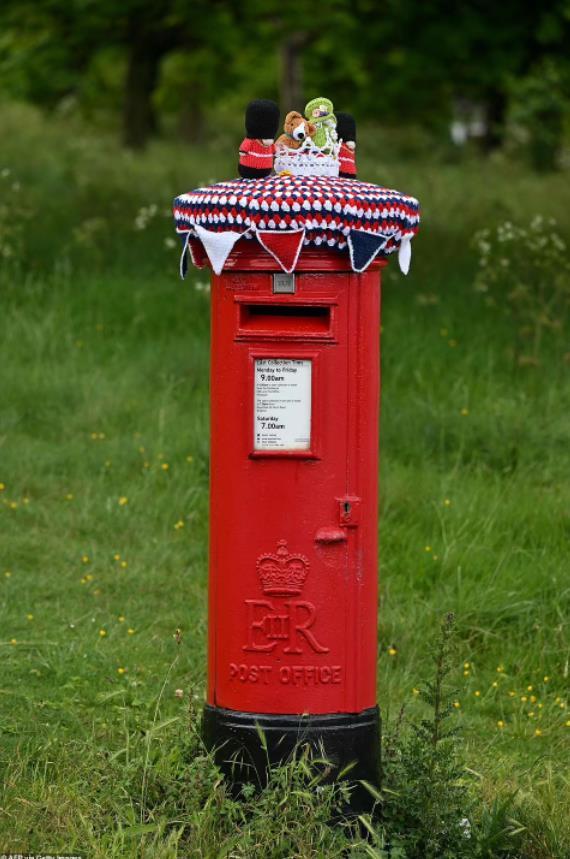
point(293, 533)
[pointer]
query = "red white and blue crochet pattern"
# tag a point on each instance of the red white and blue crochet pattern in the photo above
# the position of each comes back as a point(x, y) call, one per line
point(285, 213)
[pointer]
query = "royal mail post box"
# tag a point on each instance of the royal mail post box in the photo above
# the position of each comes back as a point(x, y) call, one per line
point(295, 385)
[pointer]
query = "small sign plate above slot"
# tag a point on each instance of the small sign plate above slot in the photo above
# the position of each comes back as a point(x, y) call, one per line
point(284, 283)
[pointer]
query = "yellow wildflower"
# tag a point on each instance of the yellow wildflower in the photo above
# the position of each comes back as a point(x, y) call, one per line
point(178, 525)
point(102, 633)
point(392, 651)
point(500, 724)
point(131, 631)
point(165, 466)
point(123, 500)
point(121, 670)
point(457, 704)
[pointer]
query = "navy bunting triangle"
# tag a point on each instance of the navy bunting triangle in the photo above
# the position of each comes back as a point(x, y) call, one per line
point(364, 247)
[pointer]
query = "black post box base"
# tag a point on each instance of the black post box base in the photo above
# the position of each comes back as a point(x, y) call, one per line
point(245, 745)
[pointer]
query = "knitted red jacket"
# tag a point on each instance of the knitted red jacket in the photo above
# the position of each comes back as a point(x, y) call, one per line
point(347, 160)
point(254, 153)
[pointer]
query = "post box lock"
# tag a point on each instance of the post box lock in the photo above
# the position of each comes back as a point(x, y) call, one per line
point(349, 511)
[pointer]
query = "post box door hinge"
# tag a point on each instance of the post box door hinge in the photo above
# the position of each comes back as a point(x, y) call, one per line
point(349, 511)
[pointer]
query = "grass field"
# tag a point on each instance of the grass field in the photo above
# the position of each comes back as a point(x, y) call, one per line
point(104, 485)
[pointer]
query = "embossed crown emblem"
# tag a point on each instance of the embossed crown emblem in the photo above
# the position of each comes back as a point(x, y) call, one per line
point(282, 574)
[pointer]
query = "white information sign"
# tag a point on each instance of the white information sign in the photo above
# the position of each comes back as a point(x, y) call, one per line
point(282, 404)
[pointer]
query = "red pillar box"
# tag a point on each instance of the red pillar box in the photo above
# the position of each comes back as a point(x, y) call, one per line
point(295, 383)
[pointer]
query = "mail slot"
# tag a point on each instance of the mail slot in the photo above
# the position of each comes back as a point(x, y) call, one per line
point(295, 384)
point(285, 320)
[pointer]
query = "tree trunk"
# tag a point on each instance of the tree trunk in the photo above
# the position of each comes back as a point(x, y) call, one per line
point(291, 83)
point(191, 120)
point(145, 53)
point(496, 107)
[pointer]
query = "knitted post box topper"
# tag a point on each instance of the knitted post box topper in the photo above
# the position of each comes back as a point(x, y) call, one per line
point(320, 111)
point(346, 130)
point(257, 150)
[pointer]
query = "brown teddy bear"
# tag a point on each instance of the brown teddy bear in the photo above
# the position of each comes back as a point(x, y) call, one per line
point(296, 129)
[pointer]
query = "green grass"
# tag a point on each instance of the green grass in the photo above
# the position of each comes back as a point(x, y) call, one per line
point(104, 382)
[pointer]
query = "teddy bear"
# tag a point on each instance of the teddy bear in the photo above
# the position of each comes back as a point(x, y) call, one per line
point(346, 129)
point(296, 129)
point(257, 149)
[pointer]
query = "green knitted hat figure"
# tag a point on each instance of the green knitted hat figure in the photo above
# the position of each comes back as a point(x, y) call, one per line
point(320, 112)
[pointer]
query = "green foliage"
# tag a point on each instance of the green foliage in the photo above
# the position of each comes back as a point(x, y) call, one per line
point(426, 806)
point(526, 270)
point(402, 63)
point(539, 107)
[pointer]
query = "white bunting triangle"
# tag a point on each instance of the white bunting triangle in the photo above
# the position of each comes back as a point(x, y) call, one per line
point(218, 245)
point(405, 254)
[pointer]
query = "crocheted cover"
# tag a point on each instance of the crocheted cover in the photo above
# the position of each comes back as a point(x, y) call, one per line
point(364, 219)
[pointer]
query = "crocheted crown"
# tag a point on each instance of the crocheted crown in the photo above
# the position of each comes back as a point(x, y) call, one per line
point(309, 159)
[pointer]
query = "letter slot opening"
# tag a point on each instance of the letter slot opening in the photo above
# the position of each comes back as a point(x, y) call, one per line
point(288, 319)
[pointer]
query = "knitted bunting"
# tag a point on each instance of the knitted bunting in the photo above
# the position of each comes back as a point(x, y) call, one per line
point(218, 245)
point(284, 246)
point(405, 254)
point(184, 255)
point(364, 247)
point(198, 255)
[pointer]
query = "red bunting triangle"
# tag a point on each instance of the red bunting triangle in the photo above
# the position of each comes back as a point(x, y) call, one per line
point(197, 253)
point(284, 246)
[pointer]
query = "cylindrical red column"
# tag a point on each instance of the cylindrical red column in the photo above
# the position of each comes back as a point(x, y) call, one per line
point(295, 384)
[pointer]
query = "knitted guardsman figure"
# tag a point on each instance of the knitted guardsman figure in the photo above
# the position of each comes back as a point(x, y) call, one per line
point(346, 129)
point(319, 111)
point(257, 150)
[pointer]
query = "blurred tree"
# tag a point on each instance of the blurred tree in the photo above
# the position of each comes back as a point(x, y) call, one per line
point(398, 61)
point(538, 106)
